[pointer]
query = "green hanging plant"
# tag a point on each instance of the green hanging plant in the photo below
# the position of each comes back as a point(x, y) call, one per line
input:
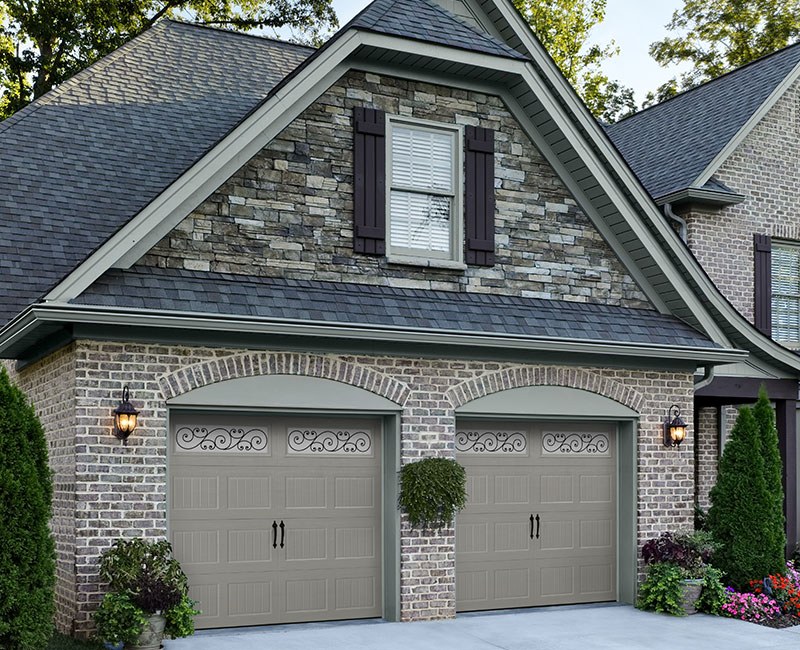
point(432, 491)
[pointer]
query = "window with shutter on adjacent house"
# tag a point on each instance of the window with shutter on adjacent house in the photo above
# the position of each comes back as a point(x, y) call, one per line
point(424, 197)
point(786, 292)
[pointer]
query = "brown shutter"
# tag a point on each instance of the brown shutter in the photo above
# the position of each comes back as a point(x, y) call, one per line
point(369, 184)
point(762, 250)
point(479, 196)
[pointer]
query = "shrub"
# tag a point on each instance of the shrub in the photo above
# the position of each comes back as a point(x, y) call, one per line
point(118, 620)
point(180, 619)
point(432, 491)
point(773, 546)
point(713, 595)
point(738, 502)
point(755, 608)
point(27, 555)
point(662, 590)
point(124, 564)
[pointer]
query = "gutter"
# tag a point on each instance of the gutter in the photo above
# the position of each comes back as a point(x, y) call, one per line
point(95, 315)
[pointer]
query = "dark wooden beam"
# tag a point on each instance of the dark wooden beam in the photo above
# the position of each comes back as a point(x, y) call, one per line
point(740, 390)
point(786, 421)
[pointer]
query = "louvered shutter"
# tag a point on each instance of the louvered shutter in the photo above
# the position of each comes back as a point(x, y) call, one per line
point(369, 183)
point(786, 294)
point(479, 196)
point(762, 251)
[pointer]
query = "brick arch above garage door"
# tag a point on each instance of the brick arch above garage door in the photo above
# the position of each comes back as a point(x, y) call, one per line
point(524, 376)
point(254, 364)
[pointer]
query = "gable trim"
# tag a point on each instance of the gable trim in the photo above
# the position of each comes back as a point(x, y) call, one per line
point(748, 126)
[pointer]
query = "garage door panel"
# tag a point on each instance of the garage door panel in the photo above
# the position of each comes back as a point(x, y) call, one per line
point(324, 563)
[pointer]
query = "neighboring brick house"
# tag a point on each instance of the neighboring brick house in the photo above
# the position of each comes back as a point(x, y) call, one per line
point(313, 267)
point(728, 170)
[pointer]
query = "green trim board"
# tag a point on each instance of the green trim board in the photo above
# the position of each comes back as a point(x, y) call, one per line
point(546, 401)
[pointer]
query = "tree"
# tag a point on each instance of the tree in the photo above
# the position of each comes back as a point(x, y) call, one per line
point(716, 36)
point(764, 414)
point(27, 556)
point(564, 27)
point(739, 501)
point(44, 42)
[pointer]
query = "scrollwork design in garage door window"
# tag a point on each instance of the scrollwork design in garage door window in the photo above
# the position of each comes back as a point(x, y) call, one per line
point(222, 439)
point(491, 442)
point(575, 444)
point(341, 442)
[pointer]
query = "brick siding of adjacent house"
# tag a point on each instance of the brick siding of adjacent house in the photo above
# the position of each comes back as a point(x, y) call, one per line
point(121, 491)
point(289, 211)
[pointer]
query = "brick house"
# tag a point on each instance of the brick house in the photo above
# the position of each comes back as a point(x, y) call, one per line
point(727, 179)
point(414, 241)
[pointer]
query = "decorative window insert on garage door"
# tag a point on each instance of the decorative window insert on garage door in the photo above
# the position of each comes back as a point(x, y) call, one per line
point(277, 519)
point(540, 524)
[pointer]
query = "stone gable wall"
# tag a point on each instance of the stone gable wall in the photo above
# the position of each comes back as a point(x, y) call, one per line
point(763, 168)
point(121, 491)
point(289, 211)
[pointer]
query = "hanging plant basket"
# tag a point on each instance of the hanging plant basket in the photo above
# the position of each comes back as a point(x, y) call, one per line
point(432, 491)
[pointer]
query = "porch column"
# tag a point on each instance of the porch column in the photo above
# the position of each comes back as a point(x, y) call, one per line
point(786, 421)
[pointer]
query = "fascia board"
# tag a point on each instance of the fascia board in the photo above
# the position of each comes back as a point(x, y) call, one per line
point(167, 210)
point(701, 195)
point(748, 126)
point(92, 315)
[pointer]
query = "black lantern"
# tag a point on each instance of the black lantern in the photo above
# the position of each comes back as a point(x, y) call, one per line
point(674, 428)
point(125, 417)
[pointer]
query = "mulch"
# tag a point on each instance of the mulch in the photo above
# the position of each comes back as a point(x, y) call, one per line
point(787, 620)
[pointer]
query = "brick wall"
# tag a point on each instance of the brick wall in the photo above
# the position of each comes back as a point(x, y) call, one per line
point(50, 386)
point(706, 453)
point(289, 211)
point(763, 168)
point(121, 491)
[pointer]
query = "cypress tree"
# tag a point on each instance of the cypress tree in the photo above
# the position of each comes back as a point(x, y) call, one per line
point(739, 501)
point(774, 523)
point(27, 557)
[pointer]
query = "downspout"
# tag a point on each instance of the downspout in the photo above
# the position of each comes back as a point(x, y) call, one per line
point(683, 228)
point(706, 379)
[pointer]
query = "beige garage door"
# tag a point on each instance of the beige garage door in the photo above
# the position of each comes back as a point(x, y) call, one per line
point(277, 520)
point(540, 524)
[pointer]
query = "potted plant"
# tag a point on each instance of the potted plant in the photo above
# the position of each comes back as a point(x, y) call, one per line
point(432, 491)
point(148, 596)
point(680, 579)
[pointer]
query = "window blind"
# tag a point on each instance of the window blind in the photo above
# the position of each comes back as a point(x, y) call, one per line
point(786, 293)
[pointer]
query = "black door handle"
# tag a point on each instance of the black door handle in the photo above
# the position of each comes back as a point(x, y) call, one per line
point(274, 534)
point(531, 526)
point(283, 533)
point(537, 526)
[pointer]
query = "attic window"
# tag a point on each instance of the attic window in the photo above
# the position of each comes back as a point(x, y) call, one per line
point(424, 202)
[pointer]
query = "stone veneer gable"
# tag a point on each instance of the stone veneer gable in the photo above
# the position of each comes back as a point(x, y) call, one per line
point(288, 212)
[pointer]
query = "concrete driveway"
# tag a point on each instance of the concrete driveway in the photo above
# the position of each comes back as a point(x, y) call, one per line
point(553, 628)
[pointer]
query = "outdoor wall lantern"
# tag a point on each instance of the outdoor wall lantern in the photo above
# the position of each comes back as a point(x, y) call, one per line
point(125, 417)
point(674, 428)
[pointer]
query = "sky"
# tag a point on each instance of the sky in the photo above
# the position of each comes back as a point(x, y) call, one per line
point(632, 24)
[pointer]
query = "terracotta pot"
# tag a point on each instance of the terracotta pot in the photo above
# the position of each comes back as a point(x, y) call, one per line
point(152, 635)
point(690, 594)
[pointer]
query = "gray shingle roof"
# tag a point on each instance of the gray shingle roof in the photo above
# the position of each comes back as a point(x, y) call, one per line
point(301, 300)
point(80, 162)
point(669, 145)
point(424, 20)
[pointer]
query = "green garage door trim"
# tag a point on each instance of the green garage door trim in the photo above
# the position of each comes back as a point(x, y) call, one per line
point(621, 464)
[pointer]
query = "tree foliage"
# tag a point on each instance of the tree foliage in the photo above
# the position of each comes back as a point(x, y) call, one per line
point(44, 42)
point(716, 36)
point(739, 503)
point(27, 556)
point(564, 28)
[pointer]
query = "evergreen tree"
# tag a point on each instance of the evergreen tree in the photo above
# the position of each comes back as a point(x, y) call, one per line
point(739, 501)
point(775, 544)
point(27, 557)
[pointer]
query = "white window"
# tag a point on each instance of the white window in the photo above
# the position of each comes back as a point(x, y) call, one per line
point(786, 292)
point(424, 204)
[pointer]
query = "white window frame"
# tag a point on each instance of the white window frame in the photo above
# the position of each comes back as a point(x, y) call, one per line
point(795, 248)
point(419, 256)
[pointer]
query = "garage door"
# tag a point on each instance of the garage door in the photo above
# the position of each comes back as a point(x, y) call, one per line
point(540, 524)
point(277, 520)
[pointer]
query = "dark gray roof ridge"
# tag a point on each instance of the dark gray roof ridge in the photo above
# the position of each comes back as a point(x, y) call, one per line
point(232, 32)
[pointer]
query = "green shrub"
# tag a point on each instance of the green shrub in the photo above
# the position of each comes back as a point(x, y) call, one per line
point(662, 590)
point(432, 491)
point(27, 555)
point(118, 620)
point(739, 501)
point(774, 543)
point(713, 596)
point(129, 561)
point(180, 619)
